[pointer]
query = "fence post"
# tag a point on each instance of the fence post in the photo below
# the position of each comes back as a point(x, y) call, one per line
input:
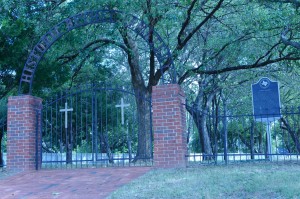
point(22, 130)
point(169, 126)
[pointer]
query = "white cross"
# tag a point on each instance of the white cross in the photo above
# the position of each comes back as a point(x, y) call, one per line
point(122, 105)
point(66, 113)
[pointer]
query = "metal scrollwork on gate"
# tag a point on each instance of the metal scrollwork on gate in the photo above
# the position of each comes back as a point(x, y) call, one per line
point(160, 49)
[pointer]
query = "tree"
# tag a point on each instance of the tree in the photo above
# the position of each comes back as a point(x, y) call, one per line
point(229, 50)
point(215, 45)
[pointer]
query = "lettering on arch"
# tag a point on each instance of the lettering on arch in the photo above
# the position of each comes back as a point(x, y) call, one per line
point(160, 49)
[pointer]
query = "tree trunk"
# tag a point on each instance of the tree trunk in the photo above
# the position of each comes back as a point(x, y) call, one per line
point(252, 141)
point(292, 134)
point(244, 141)
point(128, 143)
point(215, 121)
point(260, 142)
point(69, 146)
point(200, 121)
point(144, 129)
point(225, 128)
point(107, 147)
point(199, 112)
point(141, 93)
point(189, 129)
point(205, 137)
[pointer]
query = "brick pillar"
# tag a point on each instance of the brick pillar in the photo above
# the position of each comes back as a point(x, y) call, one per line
point(169, 125)
point(22, 128)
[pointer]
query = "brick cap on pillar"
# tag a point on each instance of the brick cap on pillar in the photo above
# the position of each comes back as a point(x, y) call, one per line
point(24, 97)
point(167, 89)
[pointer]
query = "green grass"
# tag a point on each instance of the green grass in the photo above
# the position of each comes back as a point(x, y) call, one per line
point(255, 180)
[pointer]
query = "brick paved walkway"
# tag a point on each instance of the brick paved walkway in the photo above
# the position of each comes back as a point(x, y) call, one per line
point(76, 183)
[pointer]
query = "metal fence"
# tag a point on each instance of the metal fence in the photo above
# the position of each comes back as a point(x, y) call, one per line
point(240, 138)
point(97, 126)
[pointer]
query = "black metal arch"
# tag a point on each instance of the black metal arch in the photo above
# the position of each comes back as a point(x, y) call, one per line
point(161, 50)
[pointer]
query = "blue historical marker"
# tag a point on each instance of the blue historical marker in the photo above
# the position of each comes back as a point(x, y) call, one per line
point(266, 100)
point(266, 106)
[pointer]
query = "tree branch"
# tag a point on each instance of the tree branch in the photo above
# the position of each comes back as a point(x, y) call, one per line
point(286, 41)
point(186, 22)
point(181, 44)
point(133, 61)
point(77, 69)
point(190, 72)
point(73, 56)
point(68, 58)
point(291, 132)
point(153, 20)
point(250, 66)
point(257, 64)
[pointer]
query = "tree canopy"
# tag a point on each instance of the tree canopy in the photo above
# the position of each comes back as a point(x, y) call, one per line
point(219, 48)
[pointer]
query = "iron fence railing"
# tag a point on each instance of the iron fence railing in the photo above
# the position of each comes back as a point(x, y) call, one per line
point(236, 138)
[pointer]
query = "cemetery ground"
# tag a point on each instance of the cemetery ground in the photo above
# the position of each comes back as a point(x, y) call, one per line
point(243, 180)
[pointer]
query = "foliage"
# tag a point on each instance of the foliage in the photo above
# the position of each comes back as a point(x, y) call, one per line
point(219, 48)
point(4, 143)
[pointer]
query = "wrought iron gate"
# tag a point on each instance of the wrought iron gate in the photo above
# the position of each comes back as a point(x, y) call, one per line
point(96, 126)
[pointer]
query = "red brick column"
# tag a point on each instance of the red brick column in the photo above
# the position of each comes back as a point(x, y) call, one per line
point(169, 125)
point(21, 132)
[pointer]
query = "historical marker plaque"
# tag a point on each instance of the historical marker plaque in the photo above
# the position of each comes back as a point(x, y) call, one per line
point(266, 100)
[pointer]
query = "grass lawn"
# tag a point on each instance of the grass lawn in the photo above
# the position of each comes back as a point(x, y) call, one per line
point(250, 180)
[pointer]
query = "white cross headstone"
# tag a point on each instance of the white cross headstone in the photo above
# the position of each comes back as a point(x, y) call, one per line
point(66, 110)
point(122, 106)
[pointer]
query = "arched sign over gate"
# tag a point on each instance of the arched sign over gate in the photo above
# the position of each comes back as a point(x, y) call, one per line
point(160, 49)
